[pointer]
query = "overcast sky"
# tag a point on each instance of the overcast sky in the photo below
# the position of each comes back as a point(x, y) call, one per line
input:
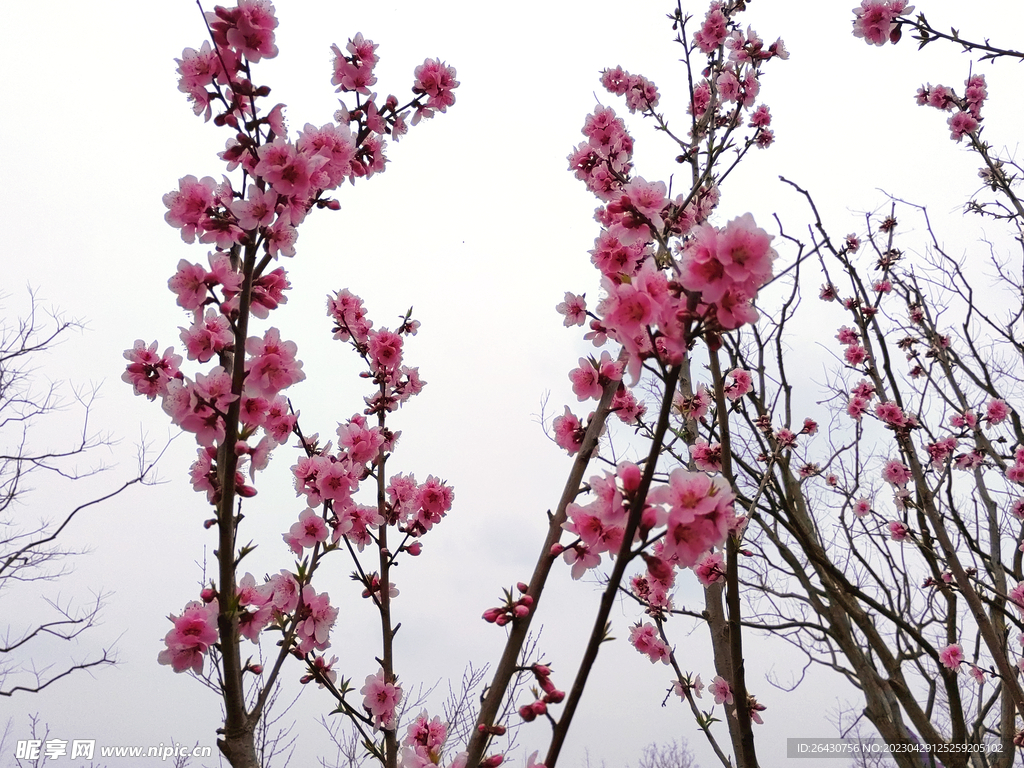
point(479, 226)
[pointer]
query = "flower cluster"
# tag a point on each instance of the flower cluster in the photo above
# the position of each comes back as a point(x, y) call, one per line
point(511, 609)
point(552, 695)
point(236, 406)
point(644, 637)
point(694, 509)
point(966, 117)
point(876, 21)
point(423, 742)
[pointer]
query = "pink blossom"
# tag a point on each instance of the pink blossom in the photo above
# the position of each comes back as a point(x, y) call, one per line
point(966, 419)
point(679, 687)
point(355, 72)
point(149, 373)
point(898, 531)
point(644, 637)
point(568, 432)
point(1015, 474)
point(436, 80)
point(258, 210)
point(721, 690)
point(961, 124)
point(896, 472)
point(380, 699)
point(941, 450)
point(281, 236)
point(574, 308)
point(761, 117)
point(848, 335)
point(695, 406)
point(996, 411)
point(641, 94)
point(710, 569)
point(855, 354)
point(195, 630)
point(728, 266)
point(862, 507)
point(626, 406)
point(316, 618)
point(284, 592)
point(189, 283)
point(308, 531)
point(434, 499)
point(423, 741)
point(385, 350)
point(189, 204)
point(977, 673)
point(207, 336)
point(707, 457)
point(700, 510)
point(728, 85)
point(1017, 508)
point(785, 438)
point(740, 385)
point(952, 656)
point(272, 365)
point(875, 20)
point(362, 442)
point(581, 559)
point(713, 31)
point(891, 414)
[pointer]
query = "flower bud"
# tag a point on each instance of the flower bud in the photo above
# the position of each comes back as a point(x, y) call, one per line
point(555, 696)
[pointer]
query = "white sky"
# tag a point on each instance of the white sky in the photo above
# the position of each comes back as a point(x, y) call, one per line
point(479, 226)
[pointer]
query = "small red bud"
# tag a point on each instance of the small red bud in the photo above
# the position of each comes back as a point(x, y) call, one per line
point(245, 491)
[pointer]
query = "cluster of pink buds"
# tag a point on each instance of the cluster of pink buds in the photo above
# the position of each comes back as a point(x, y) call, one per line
point(552, 695)
point(512, 609)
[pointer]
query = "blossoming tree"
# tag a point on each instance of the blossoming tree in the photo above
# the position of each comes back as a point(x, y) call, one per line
point(731, 481)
